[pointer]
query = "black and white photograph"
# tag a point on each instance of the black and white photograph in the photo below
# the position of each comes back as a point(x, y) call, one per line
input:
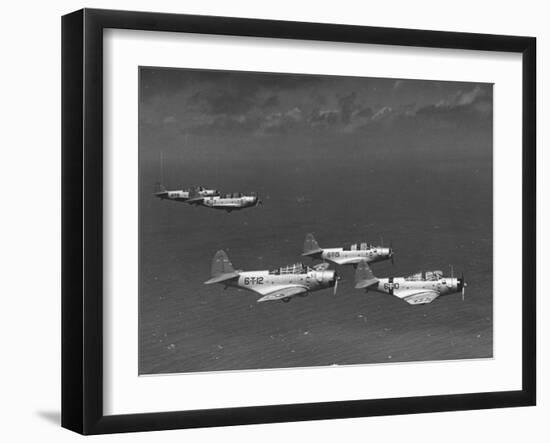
point(293, 220)
point(275, 221)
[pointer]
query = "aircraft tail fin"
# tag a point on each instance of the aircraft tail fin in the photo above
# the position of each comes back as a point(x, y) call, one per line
point(221, 264)
point(364, 276)
point(195, 197)
point(311, 247)
point(222, 269)
point(159, 187)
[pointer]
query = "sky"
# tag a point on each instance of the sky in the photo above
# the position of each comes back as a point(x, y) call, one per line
point(198, 102)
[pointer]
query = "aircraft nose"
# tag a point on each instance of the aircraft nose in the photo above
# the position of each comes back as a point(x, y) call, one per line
point(460, 285)
point(334, 278)
point(388, 252)
point(334, 281)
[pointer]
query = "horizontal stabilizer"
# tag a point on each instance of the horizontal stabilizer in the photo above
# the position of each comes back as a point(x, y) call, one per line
point(364, 277)
point(221, 278)
point(313, 253)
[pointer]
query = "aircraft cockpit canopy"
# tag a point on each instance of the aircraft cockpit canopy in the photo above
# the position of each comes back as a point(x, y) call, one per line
point(234, 195)
point(297, 268)
point(202, 189)
point(360, 247)
point(425, 276)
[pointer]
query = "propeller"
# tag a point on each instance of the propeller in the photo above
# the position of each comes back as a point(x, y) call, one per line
point(462, 285)
point(336, 278)
point(391, 253)
point(258, 201)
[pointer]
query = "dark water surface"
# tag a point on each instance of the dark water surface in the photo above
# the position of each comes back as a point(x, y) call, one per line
point(430, 194)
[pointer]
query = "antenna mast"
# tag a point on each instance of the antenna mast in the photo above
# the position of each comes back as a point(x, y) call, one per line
point(161, 167)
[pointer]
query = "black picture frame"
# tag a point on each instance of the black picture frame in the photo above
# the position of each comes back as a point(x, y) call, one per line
point(82, 220)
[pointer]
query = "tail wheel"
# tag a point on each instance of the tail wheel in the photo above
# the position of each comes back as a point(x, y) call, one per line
point(286, 299)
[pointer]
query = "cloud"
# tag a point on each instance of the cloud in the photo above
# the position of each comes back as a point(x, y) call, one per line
point(169, 119)
point(348, 105)
point(476, 103)
point(281, 122)
point(270, 102)
point(467, 98)
point(220, 102)
point(398, 84)
point(225, 124)
point(381, 113)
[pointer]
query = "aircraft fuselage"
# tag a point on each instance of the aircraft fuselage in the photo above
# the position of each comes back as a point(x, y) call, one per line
point(266, 281)
point(411, 290)
point(346, 257)
point(230, 204)
point(182, 195)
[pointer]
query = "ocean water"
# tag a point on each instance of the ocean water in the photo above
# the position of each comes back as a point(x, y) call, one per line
point(429, 194)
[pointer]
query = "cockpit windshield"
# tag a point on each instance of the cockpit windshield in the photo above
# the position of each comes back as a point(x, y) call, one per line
point(297, 268)
point(425, 276)
point(360, 247)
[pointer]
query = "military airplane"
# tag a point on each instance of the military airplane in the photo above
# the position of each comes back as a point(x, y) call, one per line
point(182, 195)
point(279, 284)
point(351, 256)
point(227, 202)
point(415, 289)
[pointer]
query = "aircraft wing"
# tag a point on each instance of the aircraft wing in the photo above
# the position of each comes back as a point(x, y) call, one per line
point(289, 291)
point(417, 296)
point(336, 260)
point(346, 260)
point(195, 200)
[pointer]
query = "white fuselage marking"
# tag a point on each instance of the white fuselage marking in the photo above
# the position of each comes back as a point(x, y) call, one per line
point(339, 255)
